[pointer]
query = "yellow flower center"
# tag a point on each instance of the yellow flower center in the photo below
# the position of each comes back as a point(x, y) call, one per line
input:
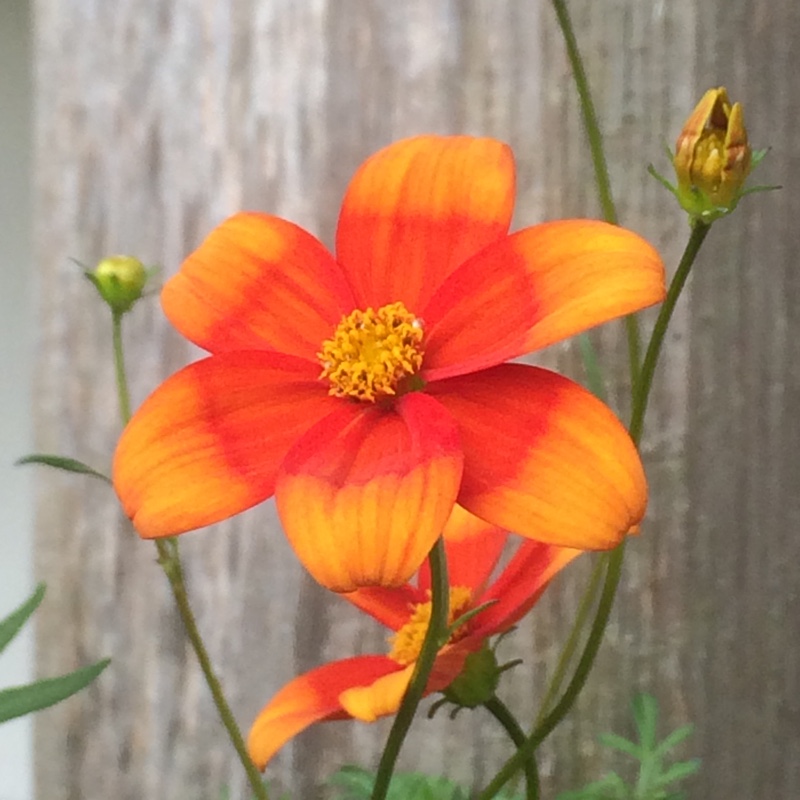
point(371, 352)
point(407, 642)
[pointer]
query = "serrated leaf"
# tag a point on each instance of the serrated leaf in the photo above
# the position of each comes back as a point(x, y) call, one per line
point(20, 700)
point(11, 625)
point(620, 743)
point(61, 462)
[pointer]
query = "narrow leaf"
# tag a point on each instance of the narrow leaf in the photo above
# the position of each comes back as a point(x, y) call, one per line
point(10, 626)
point(20, 700)
point(61, 462)
point(679, 771)
point(645, 712)
point(674, 739)
point(620, 743)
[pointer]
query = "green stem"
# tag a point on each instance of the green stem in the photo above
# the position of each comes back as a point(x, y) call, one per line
point(119, 368)
point(500, 711)
point(543, 730)
point(644, 384)
point(169, 559)
point(437, 630)
point(571, 645)
point(641, 394)
point(602, 178)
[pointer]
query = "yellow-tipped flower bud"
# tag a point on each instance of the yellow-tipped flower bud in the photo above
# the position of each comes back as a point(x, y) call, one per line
point(120, 280)
point(712, 157)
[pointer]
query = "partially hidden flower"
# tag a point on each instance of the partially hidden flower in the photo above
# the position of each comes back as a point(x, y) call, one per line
point(368, 391)
point(368, 687)
point(712, 157)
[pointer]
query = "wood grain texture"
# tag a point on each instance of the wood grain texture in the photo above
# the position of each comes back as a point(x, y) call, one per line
point(155, 120)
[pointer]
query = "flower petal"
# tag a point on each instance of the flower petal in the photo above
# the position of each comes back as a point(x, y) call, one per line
point(536, 287)
point(416, 210)
point(473, 548)
point(258, 282)
point(389, 606)
point(544, 457)
point(519, 586)
point(207, 443)
point(383, 696)
point(365, 494)
point(310, 698)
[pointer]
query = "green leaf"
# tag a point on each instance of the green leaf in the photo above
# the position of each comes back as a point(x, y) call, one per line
point(679, 771)
point(10, 626)
point(20, 700)
point(61, 462)
point(645, 712)
point(620, 743)
point(674, 739)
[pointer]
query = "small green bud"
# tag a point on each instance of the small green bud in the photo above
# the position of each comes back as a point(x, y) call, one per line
point(477, 682)
point(120, 280)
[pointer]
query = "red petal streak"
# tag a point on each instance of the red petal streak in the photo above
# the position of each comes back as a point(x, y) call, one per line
point(390, 606)
point(207, 443)
point(417, 209)
point(519, 586)
point(258, 282)
point(544, 457)
point(473, 550)
point(539, 286)
point(310, 698)
point(364, 495)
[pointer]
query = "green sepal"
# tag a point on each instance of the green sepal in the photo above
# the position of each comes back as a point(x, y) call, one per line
point(20, 700)
point(63, 463)
point(12, 624)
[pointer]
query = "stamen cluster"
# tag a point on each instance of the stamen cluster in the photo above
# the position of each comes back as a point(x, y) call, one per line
point(371, 351)
point(407, 642)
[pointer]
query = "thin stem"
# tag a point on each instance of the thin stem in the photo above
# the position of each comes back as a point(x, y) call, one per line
point(437, 630)
point(571, 645)
point(500, 711)
point(591, 366)
point(543, 730)
point(169, 559)
point(601, 175)
point(602, 178)
point(641, 394)
point(642, 387)
point(119, 368)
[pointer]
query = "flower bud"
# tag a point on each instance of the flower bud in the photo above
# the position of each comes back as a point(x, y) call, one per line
point(712, 157)
point(120, 280)
point(477, 681)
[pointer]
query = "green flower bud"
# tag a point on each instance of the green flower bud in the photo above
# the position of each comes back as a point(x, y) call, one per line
point(477, 682)
point(120, 280)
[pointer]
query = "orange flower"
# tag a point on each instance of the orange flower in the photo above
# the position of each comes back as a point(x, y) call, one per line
point(372, 686)
point(368, 392)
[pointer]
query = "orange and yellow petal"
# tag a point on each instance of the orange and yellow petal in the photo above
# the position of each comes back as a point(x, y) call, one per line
point(310, 698)
point(383, 696)
point(536, 287)
point(364, 495)
point(473, 547)
point(520, 585)
point(258, 282)
point(208, 442)
point(416, 210)
point(544, 457)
